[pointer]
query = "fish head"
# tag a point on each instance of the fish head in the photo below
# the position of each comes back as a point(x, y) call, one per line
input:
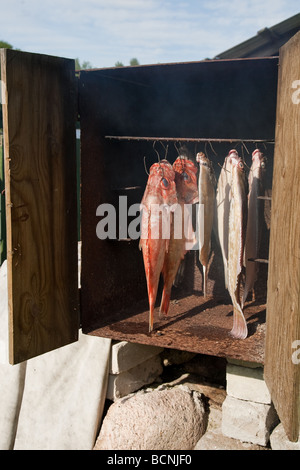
point(161, 184)
point(206, 164)
point(259, 163)
point(233, 155)
point(238, 174)
point(186, 180)
point(238, 164)
point(202, 158)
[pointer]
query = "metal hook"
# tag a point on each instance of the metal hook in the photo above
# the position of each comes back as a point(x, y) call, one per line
point(243, 144)
point(165, 148)
point(156, 151)
point(145, 165)
point(223, 167)
point(212, 148)
point(176, 148)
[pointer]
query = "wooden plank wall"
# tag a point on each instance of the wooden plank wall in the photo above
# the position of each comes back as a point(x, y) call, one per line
point(2, 204)
point(282, 367)
point(41, 208)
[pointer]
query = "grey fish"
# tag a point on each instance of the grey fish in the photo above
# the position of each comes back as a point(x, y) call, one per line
point(255, 219)
point(223, 196)
point(236, 243)
point(206, 188)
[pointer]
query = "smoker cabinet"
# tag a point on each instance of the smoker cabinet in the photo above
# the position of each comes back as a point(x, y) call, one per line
point(128, 116)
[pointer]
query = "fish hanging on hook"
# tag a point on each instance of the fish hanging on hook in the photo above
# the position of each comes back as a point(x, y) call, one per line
point(236, 242)
point(181, 236)
point(206, 189)
point(223, 197)
point(159, 198)
point(256, 182)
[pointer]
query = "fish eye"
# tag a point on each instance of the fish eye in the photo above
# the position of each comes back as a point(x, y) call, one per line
point(165, 182)
point(241, 165)
point(263, 165)
point(184, 176)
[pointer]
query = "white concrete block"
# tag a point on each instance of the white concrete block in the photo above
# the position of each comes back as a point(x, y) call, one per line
point(11, 377)
point(279, 440)
point(247, 383)
point(64, 396)
point(11, 388)
point(3, 314)
point(125, 356)
point(120, 385)
point(248, 421)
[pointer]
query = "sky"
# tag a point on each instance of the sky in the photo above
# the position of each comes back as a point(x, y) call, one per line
point(104, 32)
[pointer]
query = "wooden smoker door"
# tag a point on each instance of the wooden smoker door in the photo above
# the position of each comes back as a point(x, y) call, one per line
point(282, 354)
point(39, 116)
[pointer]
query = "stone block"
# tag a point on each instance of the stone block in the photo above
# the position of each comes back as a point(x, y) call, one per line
point(64, 397)
point(247, 383)
point(248, 421)
point(120, 385)
point(12, 380)
point(279, 440)
point(3, 314)
point(125, 356)
point(213, 441)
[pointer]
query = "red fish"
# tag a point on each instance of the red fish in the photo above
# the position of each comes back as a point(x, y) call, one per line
point(160, 195)
point(181, 228)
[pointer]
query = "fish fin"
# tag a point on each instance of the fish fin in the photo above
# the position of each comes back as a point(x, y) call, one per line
point(180, 273)
point(226, 275)
point(239, 329)
point(245, 295)
point(152, 298)
point(165, 302)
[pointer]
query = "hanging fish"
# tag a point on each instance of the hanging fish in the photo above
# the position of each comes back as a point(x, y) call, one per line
point(206, 187)
point(223, 196)
point(181, 228)
point(236, 243)
point(160, 195)
point(255, 219)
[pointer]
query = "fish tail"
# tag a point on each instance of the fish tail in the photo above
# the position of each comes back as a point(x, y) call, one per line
point(245, 295)
point(205, 274)
point(165, 301)
point(151, 312)
point(152, 298)
point(251, 274)
point(239, 329)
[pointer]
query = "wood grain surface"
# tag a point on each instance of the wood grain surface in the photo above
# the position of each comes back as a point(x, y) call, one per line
point(40, 190)
point(282, 372)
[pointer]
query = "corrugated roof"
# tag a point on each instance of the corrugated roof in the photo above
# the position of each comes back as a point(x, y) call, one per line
point(267, 41)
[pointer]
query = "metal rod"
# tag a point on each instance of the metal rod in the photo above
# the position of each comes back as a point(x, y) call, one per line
point(258, 260)
point(187, 139)
point(265, 198)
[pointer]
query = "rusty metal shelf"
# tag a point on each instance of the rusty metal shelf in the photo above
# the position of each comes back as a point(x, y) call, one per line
point(193, 324)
